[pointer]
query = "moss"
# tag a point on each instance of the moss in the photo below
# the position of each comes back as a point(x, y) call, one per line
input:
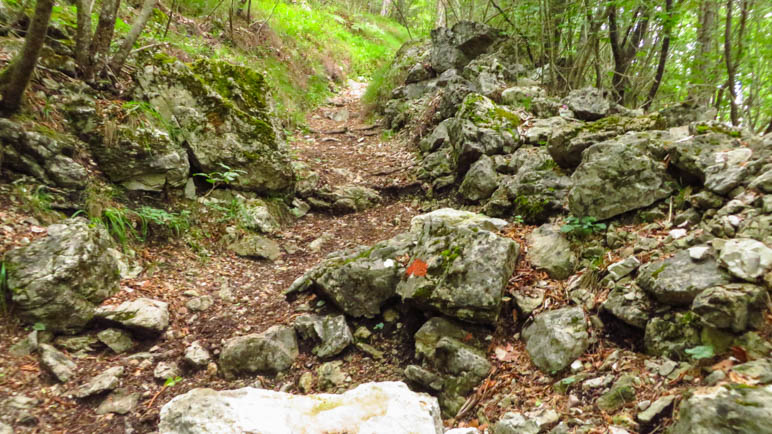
point(325, 405)
point(531, 209)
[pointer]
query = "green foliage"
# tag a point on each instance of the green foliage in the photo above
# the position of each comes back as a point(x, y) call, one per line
point(5, 291)
point(217, 179)
point(39, 326)
point(518, 220)
point(122, 223)
point(582, 227)
point(172, 381)
point(701, 352)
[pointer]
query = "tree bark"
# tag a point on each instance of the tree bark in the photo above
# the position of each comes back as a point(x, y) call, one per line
point(16, 77)
point(624, 51)
point(83, 33)
point(731, 65)
point(136, 29)
point(442, 14)
point(703, 73)
point(103, 35)
point(666, 30)
point(385, 8)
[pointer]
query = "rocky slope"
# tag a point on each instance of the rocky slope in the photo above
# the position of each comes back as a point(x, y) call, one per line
point(568, 266)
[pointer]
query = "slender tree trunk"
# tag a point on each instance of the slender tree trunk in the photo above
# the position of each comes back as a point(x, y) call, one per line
point(385, 8)
point(136, 29)
point(666, 29)
point(731, 65)
point(703, 73)
point(442, 14)
point(103, 35)
point(15, 78)
point(769, 128)
point(83, 33)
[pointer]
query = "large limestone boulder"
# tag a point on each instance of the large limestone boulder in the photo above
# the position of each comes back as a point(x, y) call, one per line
point(457, 46)
point(620, 175)
point(461, 271)
point(556, 338)
point(359, 281)
point(41, 153)
point(534, 187)
point(271, 351)
point(726, 410)
point(679, 279)
point(716, 157)
point(566, 140)
point(59, 279)
point(588, 104)
point(129, 145)
point(480, 181)
point(746, 259)
point(368, 409)
point(550, 251)
point(221, 115)
point(671, 335)
point(332, 332)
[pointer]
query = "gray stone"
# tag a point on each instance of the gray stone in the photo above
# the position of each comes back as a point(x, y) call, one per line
point(332, 332)
point(466, 271)
point(58, 279)
point(556, 338)
point(197, 356)
point(358, 281)
point(76, 343)
point(458, 218)
point(678, 279)
point(620, 175)
point(107, 380)
point(457, 46)
point(424, 377)
point(549, 250)
point(726, 410)
point(388, 407)
point(57, 363)
point(4, 427)
point(629, 304)
point(522, 96)
point(306, 382)
point(620, 393)
point(223, 119)
point(713, 158)
point(480, 181)
point(25, 346)
point(119, 401)
point(117, 340)
point(529, 302)
point(655, 409)
point(624, 267)
point(331, 375)
point(256, 246)
point(588, 103)
point(535, 191)
point(271, 351)
point(670, 335)
point(763, 182)
point(41, 154)
point(734, 306)
point(746, 259)
point(760, 370)
point(144, 315)
point(515, 423)
point(541, 130)
point(166, 370)
point(200, 304)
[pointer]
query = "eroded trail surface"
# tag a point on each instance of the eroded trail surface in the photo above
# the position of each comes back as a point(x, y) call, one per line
point(246, 294)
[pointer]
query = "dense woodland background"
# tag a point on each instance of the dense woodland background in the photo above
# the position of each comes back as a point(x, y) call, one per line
point(649, 54)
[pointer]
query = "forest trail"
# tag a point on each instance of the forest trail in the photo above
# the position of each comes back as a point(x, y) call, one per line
point(247, 294)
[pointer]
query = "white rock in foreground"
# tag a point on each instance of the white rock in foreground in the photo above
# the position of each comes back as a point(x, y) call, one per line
point(388, 407)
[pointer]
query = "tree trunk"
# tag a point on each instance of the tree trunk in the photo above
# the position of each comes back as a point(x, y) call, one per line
point(103, 35)
point(136, 29)
point(385, 7)
point(83, 33)
point(731, 65)
point(441, 18)
point(703, 73)
point(15, 78)
point(624, 51)
point(666, 29)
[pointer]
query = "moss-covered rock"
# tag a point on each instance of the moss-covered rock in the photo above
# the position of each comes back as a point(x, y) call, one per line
point(216, 129)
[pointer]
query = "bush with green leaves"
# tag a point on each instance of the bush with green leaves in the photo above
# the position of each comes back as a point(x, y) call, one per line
point(217, 179)
point(582, 227)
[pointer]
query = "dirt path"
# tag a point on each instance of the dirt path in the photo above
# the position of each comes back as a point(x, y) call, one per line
point(247, 294)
